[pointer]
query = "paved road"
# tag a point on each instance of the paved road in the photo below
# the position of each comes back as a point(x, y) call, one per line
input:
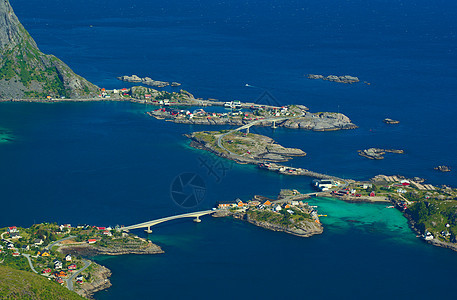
point(30, 262)
point(219, 140)
point(1, 236)
point(49, 247)
point(69, 281)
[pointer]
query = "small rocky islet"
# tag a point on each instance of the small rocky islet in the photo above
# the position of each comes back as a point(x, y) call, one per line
point(390, 121)
point(147, 81)
point(334, 78)
point(378, 153)
point(442, 168)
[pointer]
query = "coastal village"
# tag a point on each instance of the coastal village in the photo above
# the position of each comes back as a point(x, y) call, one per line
point(431, 210)
point(58, 252)
point(288, 213)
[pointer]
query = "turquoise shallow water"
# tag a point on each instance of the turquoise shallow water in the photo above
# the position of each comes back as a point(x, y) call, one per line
point(5, 136)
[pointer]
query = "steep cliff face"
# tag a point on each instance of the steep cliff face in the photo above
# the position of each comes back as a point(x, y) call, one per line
point(25, 72)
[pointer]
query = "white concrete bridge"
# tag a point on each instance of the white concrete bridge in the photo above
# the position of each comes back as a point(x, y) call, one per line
point(149, 224)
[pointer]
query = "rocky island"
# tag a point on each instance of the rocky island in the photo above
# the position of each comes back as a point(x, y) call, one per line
point(390, 121)
point(341, 79)
point(243, 148)
point(378, 153)
point(147, 81)
point(443, 168)
point(292, 116)
point(286, 214)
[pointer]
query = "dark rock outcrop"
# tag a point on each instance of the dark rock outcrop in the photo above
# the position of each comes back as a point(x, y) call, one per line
point(342, 79)
point(147, 81)
point(377, 153)
point(443, 168)
point(390, 121)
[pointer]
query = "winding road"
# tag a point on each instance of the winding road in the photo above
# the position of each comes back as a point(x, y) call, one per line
point(49, 247)
point(30, 262)
point(246, 126)
point(69, 280)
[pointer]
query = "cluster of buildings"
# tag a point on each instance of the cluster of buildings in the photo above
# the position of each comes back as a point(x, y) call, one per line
point(270, 205)
point(57, 269)
point(198, 113)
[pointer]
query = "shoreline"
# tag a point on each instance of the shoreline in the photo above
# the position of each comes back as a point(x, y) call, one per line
point(313, 228)
point(102, 274)
point(274, 167)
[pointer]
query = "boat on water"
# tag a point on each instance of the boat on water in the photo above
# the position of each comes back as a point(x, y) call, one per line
point(391, 206)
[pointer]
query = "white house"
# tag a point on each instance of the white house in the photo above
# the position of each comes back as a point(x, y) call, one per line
point(68, 257)
point(15, 235)
point(38, 242)
point(12, 229)
point(278, 208)
point(57, 264)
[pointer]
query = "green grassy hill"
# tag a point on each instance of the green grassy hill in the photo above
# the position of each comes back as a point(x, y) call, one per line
point(15, 284)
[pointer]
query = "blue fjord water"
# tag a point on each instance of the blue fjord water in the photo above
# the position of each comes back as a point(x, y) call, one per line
point(108, 163)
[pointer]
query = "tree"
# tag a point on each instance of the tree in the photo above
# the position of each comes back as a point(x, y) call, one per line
point(419, 211)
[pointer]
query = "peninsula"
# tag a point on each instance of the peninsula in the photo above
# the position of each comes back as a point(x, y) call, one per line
point(62, 253)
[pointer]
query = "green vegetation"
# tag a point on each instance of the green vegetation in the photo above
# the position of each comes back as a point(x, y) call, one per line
point(433, 215)
point(23, 64)
point(283, 217)
point(27, 72)
point(16, 284)
point(15, 262)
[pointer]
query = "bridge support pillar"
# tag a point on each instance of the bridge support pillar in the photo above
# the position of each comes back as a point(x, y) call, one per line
point(274, 125)
point(148, 230)
point(247, 130)
point(197, 220)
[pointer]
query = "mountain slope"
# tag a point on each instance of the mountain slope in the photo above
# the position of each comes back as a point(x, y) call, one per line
point(25, 72)
point(15, 284)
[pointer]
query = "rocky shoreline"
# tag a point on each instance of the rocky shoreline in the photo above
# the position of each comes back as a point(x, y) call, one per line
point(100, 274)
point(87, 250)
point(100, 281)
point(248, 148)
point(378, 153)
point(147, 81)
point(434, 242)
point(305, 229)
point(325, 121)
point(202, 145)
